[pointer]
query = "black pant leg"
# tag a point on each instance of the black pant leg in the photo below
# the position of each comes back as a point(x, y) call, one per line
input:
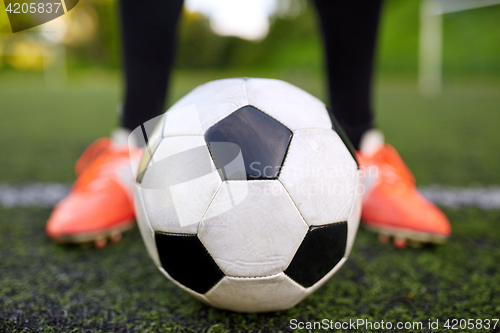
point(349, 29)
point(149, 29)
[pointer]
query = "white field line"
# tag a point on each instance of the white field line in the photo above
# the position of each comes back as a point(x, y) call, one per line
point(38, 194)
point(482, 197)
point(48, 194)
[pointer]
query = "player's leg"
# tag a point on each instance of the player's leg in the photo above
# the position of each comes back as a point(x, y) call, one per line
point(349, 30)
point(100, 204)
point(392, 205)
point(149, 42)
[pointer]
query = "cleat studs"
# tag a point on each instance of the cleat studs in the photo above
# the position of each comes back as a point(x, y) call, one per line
point(100, 243)
point(400, 242)
point(115, 237)
point(384, 239)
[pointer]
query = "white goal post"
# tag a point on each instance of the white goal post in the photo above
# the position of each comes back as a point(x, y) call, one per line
point(430, 48)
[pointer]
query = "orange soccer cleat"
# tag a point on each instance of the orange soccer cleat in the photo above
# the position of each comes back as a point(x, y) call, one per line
point(100, 204)
point(392, 206)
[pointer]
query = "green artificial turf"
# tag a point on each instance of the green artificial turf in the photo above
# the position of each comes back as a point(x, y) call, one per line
point(58, 288)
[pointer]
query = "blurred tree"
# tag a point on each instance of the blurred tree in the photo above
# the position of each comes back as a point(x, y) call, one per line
point(93, 39)
point(291, 42)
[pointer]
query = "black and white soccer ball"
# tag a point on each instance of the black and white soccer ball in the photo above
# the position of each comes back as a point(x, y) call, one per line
point(247, 195)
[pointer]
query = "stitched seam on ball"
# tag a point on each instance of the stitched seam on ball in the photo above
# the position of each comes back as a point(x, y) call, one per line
point(230, 113)
point(288, 276)
point(342, 260)
point(177, 135)
point(214, 160)
point(183, 287)
point(208, 206)
point(286, 156)
point(166, 233)
point(295, 205)
point(289, 127)
point(255, 277)
point(353, 202)
point(314, 128)
point(225, 116)
point(246, 91)
point(279, 121)
point(246, 180)
point(303, 220)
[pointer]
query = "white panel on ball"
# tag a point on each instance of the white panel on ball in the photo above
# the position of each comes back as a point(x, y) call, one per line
point(179, 186)
point(320, 175)
point(183, 121)
point(354, 216)
point(270, 293)
point(144, 227)
point(259, 236)
point(204, 106)
point(229, 196)
point(290, 105)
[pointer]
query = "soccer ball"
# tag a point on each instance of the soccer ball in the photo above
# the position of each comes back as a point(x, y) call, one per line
point(247, 195)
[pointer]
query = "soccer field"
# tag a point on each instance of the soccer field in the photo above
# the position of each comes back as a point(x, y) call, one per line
point(450, 140)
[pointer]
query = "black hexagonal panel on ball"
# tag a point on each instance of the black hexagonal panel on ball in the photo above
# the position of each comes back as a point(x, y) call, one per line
point(322, 249)
point(187, 261)
point(262, 140)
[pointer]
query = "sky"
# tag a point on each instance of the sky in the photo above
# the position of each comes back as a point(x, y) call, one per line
point(248, 19)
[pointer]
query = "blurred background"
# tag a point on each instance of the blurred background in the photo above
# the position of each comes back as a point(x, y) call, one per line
point(61, 83)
